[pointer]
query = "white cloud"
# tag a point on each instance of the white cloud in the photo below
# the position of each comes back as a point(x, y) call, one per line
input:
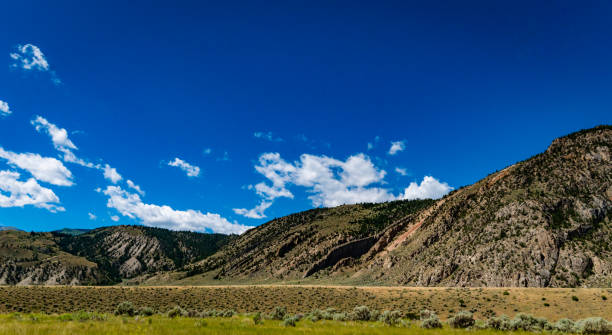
point(334, 182)
point(29, 57)
point(114, 218)
point(430, 188)
point(16, 193)
point(207, 151)
point(269, 192)
point(331, 182)
point(59, 136)
point(92, 216)
point(190, 170)
point(4, 108)
point(135, 187)
point(61, 142)
point(130, 205)
point(396, 147)
point(267, 136)
point(45, 169)
point(255, 213)
point(401, 171)
point(110, 173)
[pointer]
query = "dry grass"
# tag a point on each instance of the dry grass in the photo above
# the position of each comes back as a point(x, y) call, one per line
point(552, 304)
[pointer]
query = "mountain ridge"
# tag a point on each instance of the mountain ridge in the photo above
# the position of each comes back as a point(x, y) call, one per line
point(545, 221)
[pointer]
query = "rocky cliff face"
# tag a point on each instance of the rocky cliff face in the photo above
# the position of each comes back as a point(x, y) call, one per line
point(542, 222)
point(124, 252)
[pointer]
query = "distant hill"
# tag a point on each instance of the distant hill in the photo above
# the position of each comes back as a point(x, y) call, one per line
point(70, 231)
point(35, 258)
point(127, 251)
point(101, 256)
point(3, 228)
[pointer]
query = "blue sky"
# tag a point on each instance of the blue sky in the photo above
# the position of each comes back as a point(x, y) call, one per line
point(225, 115)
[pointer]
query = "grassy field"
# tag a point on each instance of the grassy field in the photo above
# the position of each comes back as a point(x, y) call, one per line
point(552, 304)
point(158, 325)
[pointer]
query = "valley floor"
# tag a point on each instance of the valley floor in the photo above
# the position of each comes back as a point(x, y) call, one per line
point(552, 304)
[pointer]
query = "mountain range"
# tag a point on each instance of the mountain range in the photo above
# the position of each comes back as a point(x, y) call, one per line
point(542, 222)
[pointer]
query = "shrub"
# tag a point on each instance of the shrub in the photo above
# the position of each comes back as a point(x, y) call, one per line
point(315, 315)
point(176, 312)
point(431, 322)
point(575, 298)
point(390, 318)
point(501, 323)
point(278, 313)
point(340, 317)
point(462, 319)
point(125, 308)
point(564, 325)
point(374, 315)
point(227, 313)
point(328, 314)
point(290, 321)
point(361, 313)
point(425, 314)
point(146, 311)
point(210, 313)
point(405, 323)
point(412, 315)
point(257, 319)
point(528, 322)
point(593, 326)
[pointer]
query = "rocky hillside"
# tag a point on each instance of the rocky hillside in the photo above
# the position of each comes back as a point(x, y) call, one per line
point(35, 258)
point(306, 243)
point(102, 256)
point(542, 222)
point(124, 252)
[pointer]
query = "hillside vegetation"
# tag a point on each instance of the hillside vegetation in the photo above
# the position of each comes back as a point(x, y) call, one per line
point(35, 258)
point(102, 256)
point(299, 245)
point(543, 222)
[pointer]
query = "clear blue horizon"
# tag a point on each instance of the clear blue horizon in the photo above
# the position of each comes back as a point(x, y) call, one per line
point(219, 117)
